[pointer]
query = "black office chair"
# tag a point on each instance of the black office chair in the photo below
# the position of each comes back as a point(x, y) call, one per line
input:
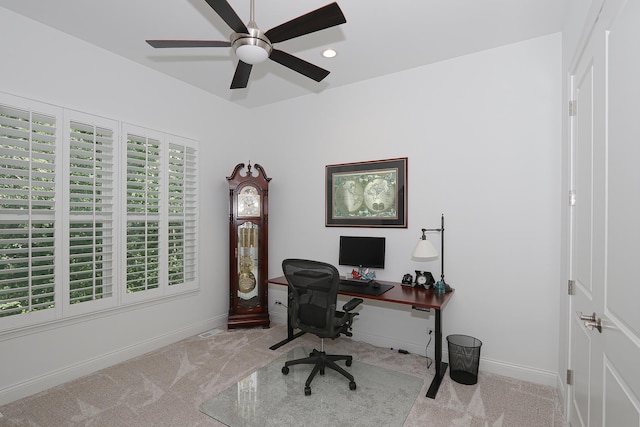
point(313, 294)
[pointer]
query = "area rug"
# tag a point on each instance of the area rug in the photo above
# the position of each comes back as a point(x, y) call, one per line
point(269, 398)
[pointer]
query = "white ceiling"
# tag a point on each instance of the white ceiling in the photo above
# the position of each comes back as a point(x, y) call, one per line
point(379, 38)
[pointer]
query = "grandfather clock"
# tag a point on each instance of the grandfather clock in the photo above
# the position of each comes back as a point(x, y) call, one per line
point(248, 247)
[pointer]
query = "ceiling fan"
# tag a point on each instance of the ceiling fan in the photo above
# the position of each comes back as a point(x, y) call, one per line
point(253, 46)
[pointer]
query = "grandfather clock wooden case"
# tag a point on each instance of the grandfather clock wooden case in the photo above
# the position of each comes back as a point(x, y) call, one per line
point(248, 247)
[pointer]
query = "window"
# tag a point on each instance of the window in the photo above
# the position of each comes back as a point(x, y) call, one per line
point(143, 213)
point(91, 216)
point(66, 248)
point(28, 223)
point(182, 214)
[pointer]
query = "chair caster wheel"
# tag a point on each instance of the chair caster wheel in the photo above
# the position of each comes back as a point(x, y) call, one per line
point(352, 385)
point(348, 362)
point(307, 391)
point(285, 370)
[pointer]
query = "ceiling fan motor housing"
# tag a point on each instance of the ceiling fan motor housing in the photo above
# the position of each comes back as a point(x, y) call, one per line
point(251, 48)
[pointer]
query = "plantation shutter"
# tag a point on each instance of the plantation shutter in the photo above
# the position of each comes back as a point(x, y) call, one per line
point(143, 213)
point(182, 214)
point(27, 210)
point(91, 200)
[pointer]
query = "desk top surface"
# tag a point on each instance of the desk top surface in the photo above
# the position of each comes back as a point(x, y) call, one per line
point(399, 294)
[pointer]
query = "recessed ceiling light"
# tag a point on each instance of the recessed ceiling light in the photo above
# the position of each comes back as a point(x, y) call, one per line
point(329, 53)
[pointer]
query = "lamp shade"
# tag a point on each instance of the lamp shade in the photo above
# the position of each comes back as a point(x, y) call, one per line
point(424, 251)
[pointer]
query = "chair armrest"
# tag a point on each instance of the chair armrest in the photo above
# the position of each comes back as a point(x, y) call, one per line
point(352, 304)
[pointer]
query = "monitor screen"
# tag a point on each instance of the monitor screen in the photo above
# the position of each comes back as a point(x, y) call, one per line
point(362, 251)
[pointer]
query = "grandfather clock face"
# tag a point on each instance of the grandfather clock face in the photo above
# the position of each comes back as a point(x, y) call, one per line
point(248, 202)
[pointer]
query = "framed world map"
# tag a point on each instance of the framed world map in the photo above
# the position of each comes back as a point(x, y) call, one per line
point(367, 194)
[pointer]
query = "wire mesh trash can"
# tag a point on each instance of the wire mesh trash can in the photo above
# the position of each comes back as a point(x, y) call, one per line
point(464, 358)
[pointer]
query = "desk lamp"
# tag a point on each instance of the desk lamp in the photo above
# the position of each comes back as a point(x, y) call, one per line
point(424, 251)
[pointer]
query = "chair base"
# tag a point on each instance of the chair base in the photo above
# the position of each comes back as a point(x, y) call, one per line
point(321, 361)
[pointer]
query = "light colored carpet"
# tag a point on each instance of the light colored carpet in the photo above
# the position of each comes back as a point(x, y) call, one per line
point(269, 398)
point(167, 387)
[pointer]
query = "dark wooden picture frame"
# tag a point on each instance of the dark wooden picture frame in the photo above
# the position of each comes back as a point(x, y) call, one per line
point(367, 194)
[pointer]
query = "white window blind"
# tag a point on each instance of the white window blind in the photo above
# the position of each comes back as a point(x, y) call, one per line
point(28, 210)
point(143, 213)
point(182, 214)
point(91, 222)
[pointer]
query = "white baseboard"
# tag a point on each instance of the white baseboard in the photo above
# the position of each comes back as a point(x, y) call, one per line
point(278, 318)
point(520, 372)
point(77, 370)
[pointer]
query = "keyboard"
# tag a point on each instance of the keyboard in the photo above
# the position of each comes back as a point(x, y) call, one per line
point(359, 282)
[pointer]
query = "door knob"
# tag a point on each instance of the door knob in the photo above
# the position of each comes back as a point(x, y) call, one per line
point(591, 318)
point(597, 324)
point(591, 321)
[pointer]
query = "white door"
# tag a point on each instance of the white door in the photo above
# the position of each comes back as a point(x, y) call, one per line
point(587, 221)
point(605, 242)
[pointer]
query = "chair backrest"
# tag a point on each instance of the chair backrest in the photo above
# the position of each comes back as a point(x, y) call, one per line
point(313, 290)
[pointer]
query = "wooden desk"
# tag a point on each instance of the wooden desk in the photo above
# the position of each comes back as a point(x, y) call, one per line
point(416, 297)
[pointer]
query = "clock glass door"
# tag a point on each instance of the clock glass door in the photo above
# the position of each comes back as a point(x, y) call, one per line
point(248, 245)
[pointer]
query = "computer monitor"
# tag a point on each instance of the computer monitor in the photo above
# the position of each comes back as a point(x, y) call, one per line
point(365, 252)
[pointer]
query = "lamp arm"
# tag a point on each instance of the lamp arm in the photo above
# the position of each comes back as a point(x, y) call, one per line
point(441, 231)
point(442, 249)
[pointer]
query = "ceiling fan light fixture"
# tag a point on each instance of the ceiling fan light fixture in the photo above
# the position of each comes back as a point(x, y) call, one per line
point(252, 48)
point(251, 54)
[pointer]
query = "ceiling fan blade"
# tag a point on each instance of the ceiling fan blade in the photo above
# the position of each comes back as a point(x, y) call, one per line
point(241, 76)
point(188, 43)
point(296, 64)
point(319, 19)
point(226, 12)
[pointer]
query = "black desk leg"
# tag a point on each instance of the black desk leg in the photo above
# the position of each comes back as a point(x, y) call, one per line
point(441, 367)
point(290, 336)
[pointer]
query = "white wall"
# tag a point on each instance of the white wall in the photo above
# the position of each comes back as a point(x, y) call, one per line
point(49, 66)
point(483, 138)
